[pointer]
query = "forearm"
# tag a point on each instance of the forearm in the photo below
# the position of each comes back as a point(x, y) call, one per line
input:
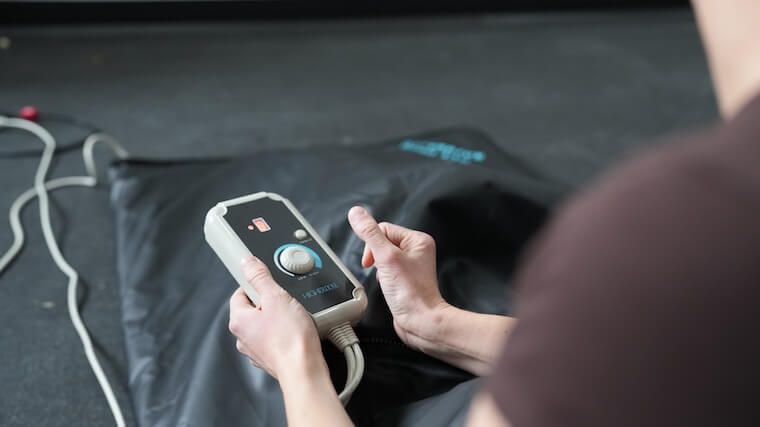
point(730, 33)
point(483, 411)
point(310, 397)
point(468, 340)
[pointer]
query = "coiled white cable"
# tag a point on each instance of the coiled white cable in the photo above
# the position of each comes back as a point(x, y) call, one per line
point(344, 337)
point(40, 190)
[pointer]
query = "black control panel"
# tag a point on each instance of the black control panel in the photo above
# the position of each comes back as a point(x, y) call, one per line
point(297, 262)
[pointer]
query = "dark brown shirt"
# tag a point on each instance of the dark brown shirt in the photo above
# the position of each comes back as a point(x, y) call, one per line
point(640, 304)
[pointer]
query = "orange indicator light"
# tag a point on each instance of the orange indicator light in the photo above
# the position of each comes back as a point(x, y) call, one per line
point(261, 225)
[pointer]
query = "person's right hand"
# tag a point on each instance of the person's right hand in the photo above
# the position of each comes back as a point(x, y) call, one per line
point(406, 271)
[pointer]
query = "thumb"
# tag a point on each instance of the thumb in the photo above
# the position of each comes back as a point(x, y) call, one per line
point(257, 275)
point(366, 228)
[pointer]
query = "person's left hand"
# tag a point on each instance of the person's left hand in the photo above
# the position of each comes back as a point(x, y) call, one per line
point(277, 333)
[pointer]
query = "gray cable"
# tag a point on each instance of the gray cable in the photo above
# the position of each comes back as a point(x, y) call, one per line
point(40, 190)
point(344, 337)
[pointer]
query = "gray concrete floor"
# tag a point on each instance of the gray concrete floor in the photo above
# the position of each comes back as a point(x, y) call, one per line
point(569, 93)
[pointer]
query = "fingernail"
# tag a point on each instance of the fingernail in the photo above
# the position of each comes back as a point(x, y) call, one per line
point(357, 212)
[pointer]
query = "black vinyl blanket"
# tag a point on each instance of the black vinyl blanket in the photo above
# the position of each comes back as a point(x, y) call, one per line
point(480, 204)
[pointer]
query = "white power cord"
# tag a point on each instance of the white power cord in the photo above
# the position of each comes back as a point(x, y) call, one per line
point(342, 336)
point(345, 339)
point(41, 191)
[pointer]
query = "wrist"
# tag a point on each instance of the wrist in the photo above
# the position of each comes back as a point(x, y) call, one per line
point(310, 369)
point(301, 361)
point(309, 394)
point(466, 339)
point(427, 327)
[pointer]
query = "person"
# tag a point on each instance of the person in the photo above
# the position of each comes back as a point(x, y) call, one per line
point(637, 303)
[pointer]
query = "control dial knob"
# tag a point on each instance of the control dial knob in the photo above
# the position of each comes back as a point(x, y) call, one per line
point(296, 260)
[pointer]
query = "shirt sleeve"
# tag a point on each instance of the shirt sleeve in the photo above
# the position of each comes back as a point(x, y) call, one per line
point(637, 304)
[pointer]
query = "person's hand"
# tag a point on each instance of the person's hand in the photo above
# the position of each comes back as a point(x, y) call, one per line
point(277, 334)
point(406, 271)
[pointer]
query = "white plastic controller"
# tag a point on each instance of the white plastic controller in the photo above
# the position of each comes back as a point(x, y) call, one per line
point(293, 256)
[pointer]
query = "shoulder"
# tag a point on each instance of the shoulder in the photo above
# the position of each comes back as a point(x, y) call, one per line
point(638, 294)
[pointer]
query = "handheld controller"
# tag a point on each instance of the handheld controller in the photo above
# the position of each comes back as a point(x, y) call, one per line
point(269, 226)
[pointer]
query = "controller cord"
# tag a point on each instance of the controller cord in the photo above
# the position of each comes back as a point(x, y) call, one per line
point(342, 336)
point(40, 190)
point(345, 339)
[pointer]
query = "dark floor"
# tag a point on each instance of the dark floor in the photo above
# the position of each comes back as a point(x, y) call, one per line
point(569, 93)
